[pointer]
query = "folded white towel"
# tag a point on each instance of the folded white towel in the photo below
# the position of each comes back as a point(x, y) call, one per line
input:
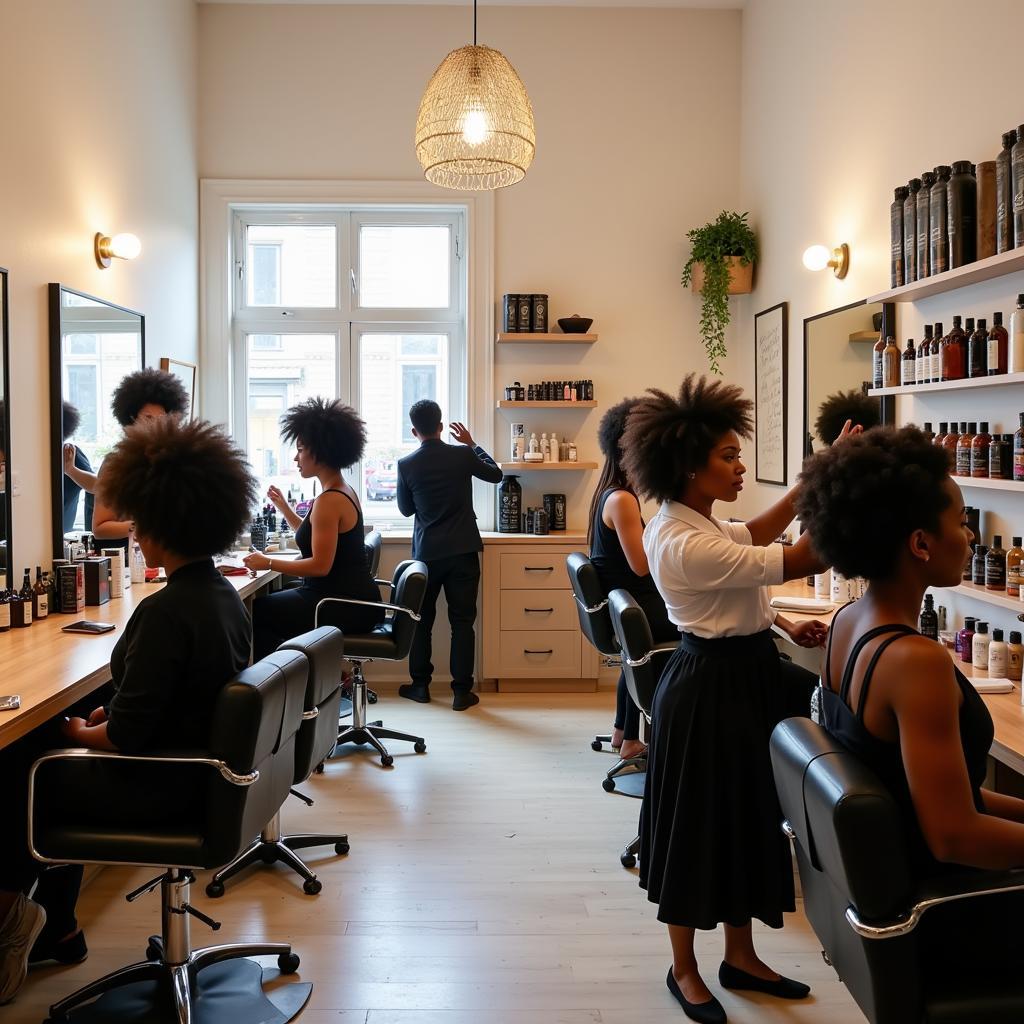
point(992, 685)
point(802, 604)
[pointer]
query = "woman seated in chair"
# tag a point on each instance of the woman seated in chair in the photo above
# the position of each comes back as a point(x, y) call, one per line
point(615, 536)
point(329, 436)
point(180, 646)
point(883, 506)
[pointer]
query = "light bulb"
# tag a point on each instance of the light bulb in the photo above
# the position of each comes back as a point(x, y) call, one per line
point(475, 126)
point(125, 246)
point(816, 257)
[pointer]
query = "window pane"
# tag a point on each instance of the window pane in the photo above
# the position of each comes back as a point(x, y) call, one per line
point(404, 266)
point(390, 380)
point(282, 373)
point(291, 265)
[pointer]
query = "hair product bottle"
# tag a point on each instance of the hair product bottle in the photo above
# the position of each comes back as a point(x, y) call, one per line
point(1004, 195)
point(877, 375)
point(908, 370)
point(963, 450)
point(1016, 342)
point(938, 230)
point(961, 215)
point(997, 656)
point(951, 442)
point(928, 432)
point(987, 201)
point(939, 437)
point(921, 255)
point(923, 362)
point(997, 354)
point(954, 351)
point(891, 364)
point(965, 639)
point(910, 231)
point(1017, 186)
point(823, 584)
point(5, 610)
point(936, 360)
point(1014, 558)
point(896, 237)
point(1018, 450)
point(978, 565)
point(1014, 657)
point(995, 566)
point(928, 623)
point(979, 647)
point(977, 350)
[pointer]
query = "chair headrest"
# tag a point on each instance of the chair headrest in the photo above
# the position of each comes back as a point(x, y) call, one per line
point(324, 649)
point(846, 821)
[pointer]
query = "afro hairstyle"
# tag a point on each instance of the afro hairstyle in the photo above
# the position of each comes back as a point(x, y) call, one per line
point(666, 438)
point(862, 499)
point(613, 426)
point(147, 387)
point(162, 472)
point(332, 432)
point(846, 405)
point(70, 418)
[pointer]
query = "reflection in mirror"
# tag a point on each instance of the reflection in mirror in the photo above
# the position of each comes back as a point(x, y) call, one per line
point(6, 473)
point(837, 370)
point(93, 346)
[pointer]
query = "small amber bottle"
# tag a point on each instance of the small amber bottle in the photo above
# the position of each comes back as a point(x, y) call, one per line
point(891, 364)
point(963, 449)
point(950, 442)
point(977, 351)
point(979, 452)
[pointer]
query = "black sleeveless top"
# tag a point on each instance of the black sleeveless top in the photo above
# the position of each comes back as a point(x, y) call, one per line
point(847, 726)
point(610, 560)
point(349, 575)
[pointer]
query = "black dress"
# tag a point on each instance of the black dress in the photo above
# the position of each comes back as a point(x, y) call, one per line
point(614, 572)
point(289, 613)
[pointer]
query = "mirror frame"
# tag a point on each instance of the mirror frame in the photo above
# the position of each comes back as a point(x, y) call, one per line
point(5, 426)
point(57, 398)
point(888, 402)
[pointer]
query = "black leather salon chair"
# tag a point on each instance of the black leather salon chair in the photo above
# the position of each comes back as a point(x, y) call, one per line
point(323, 649)
point(592, 610)
point(872, 917)
point(642, 663)
point(372, 545)
point(182, 811)
point(390, 641)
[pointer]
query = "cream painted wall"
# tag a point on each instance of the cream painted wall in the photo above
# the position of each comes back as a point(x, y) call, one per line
point(636, 114)
point(834, 116)
point(99, 131)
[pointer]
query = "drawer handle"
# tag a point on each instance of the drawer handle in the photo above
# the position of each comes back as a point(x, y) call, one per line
point(538, 568)
point(548, 651)
point(539, 610)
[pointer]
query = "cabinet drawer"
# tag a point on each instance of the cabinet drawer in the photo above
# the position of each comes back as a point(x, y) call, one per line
point(552, 653)
point(541, 571)
point(538, 609)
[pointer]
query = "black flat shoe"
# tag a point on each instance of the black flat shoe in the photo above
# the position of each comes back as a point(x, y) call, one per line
point(785, 988)
point(710, 1012)
point(410, 691)
point(464, 699)
point(69, 951)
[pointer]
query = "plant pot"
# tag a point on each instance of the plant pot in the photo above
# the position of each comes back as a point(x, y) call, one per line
point(741, 278)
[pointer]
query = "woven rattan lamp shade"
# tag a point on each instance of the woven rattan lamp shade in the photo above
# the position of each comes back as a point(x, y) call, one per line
point(475, 129)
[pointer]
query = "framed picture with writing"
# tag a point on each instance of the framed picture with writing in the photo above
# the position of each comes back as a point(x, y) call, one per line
point(186, 373)
point(771, 369)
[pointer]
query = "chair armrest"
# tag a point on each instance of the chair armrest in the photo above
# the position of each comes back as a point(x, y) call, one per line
point(382, 583)
point(657, 649)
point(396, 608)
point(591, 609)
point(936, 892)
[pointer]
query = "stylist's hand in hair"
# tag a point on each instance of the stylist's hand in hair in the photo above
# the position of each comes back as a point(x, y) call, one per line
point(848, 431)
point(461, 434)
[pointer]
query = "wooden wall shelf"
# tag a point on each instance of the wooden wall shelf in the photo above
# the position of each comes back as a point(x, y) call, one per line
point(523, 467)
point(1000, 380)
point(505, 404)
point(864, 336)
point(988, 269)
point(999, 598)
point(536, 338)
point(986, 483)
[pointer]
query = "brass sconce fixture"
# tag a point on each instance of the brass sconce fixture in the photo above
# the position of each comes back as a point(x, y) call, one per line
point(818, 257)
point(122, 247)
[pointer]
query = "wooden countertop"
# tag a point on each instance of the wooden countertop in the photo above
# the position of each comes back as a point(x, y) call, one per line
point(50, 670)
point(577, 537)
point(1005, 708)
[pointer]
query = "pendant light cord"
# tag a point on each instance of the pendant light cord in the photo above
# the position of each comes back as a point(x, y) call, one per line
point(474, 22)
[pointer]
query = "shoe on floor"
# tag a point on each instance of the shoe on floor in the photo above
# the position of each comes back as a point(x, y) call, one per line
point(710, 1012)
point(463, 699)
point(410, 691)
point(68, 951)
point(785, 988)
point(18, 931)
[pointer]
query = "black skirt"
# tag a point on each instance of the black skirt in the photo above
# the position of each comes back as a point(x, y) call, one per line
point(712, 848)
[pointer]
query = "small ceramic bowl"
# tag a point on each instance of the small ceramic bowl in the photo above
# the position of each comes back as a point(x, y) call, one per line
point(575, 324)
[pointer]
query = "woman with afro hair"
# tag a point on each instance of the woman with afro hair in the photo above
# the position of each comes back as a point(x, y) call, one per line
point(181, 645)
point(615, 535)
point(883, 506)
point(141, 397)
point(329, 436)
point(711, 848)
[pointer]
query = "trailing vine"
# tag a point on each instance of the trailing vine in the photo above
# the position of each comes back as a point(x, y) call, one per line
point(728, 235)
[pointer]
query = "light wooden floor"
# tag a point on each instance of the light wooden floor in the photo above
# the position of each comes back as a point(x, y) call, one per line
point(483, 887)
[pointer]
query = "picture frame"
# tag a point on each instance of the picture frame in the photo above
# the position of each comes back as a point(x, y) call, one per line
point(771, 400)
point(187, 373)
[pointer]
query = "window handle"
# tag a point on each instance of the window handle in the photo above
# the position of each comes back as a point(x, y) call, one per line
point(352, 279)
point(287, 312)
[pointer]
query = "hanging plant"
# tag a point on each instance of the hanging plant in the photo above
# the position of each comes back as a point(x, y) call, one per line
point(721, 264)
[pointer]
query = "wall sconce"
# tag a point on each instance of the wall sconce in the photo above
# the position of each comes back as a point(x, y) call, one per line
point(818, 257)
point(122, 247)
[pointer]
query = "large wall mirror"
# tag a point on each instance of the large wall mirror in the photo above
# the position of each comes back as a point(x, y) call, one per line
point(93, 345)
point(837, 360)
point(6, 473)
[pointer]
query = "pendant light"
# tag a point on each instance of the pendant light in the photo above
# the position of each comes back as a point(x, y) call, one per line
point(474, 129)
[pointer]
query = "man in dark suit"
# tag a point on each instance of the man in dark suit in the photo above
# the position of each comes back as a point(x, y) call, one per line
point(435, 483)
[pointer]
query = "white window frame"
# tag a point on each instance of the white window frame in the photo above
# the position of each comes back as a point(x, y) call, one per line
point(223, 381)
